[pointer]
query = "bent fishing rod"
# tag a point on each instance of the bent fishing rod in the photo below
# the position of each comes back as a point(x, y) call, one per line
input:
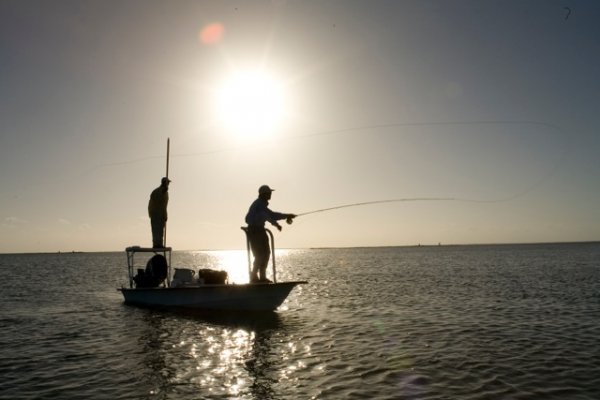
point(409, 199)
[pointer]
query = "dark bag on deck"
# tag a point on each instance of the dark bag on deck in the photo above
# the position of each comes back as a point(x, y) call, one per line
point(155, 273)
point(212, 277)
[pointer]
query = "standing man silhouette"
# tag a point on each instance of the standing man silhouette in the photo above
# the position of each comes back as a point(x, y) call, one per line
point(157, 210)
point(258, 214)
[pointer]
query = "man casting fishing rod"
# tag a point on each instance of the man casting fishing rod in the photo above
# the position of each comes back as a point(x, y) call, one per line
point(257, 215)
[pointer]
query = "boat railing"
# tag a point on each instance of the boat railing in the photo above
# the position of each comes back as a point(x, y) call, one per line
point(132, 250)
point(245, 229)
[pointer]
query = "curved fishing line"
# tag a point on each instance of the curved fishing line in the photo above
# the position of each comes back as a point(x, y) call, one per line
point(335, 132)
point(529, 188)
point(374, 126)
point(424, 124)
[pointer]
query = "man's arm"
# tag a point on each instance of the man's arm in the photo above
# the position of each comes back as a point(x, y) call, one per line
point(274, 216)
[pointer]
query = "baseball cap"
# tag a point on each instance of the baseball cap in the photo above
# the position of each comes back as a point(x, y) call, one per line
point(265, 189)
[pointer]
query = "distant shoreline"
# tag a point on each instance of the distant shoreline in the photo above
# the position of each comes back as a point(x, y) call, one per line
point(73, 252)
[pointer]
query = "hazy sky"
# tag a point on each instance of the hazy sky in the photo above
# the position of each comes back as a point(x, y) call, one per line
point(496, 101)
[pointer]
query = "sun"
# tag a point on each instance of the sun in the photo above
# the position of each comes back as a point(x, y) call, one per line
point(250, 104)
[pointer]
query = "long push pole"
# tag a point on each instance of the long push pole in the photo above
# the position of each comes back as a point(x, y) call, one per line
point(167, 176)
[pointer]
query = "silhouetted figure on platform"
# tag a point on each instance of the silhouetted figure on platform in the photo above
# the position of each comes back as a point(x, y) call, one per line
point(157, 210)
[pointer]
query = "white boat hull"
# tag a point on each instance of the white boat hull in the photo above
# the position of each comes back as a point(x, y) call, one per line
point(251, 297)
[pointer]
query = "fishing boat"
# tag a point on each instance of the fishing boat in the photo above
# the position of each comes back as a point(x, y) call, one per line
point(157, 286)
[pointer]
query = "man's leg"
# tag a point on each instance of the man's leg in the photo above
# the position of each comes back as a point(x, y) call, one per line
point(158, 228)
point(259, 243)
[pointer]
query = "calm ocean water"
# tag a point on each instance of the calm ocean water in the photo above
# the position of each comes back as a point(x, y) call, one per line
point(456, 322)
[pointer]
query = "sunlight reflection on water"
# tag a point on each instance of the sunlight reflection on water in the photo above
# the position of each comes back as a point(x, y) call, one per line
point(234, 262)
point(230, 357)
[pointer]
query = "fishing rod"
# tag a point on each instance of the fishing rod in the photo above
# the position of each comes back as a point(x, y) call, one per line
point(364, 203)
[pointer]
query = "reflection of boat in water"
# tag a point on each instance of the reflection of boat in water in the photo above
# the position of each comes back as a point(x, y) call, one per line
point(251, 321)
point(227, 354)
point(155, 286)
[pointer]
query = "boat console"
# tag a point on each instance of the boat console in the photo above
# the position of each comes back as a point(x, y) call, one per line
point(165, 252)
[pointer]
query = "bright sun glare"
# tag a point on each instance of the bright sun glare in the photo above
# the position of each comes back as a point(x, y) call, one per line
point(250, 104)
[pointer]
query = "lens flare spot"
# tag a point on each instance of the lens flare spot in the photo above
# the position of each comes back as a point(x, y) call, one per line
point(212, 33)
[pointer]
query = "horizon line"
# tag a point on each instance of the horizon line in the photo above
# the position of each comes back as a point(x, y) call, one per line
point(326, 247)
